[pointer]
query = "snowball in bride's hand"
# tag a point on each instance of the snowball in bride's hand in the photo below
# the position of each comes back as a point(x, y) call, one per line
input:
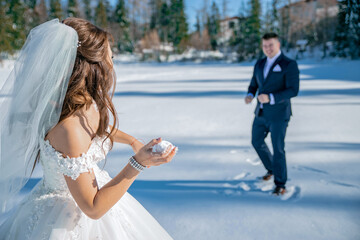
point(162, 147)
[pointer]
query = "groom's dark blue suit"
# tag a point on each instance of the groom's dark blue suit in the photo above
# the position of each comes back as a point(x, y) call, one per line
point(282, 82)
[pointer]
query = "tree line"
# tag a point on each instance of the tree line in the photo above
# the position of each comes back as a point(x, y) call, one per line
point(153, 24)
point(129, 21)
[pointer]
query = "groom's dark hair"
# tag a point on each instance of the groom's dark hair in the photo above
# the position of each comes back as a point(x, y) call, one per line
point(270, 35)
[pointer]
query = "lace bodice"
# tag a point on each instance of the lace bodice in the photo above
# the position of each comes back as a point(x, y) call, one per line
point(55, 165)
point(50, 212)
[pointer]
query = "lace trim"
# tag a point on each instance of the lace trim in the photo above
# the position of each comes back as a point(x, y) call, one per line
point(74, 166)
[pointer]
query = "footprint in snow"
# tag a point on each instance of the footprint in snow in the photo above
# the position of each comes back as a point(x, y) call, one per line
point(305, 168)
point(241, 175)
point(264, 186)
point(254, 162)
point(342, 184)
point(292, 193)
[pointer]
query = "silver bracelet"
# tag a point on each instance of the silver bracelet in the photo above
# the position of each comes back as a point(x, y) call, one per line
point(135, 164)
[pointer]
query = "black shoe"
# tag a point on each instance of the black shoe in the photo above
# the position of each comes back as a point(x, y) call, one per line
point(267, 176)
point(279, 191)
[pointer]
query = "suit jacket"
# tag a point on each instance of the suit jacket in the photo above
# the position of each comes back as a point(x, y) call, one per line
point(283, 85)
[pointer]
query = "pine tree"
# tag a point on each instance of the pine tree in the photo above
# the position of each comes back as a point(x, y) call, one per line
point(31, 15)
point(213, 25)
point(5, 29)
point(120, 14)
point(341, 32)
point(354, 28)
point(56, 10)
point(241, 46)
point(252, 33)
point(73, 8)
point(154, 15)
point(30, 3)
point(164, 22)
point(347, 38)
point(87, 10)
point(100, 15)
point(121, 25)
point(197, 24)
point(274, 27)
point(353, 21)
point(178, 24)
point(155, 8)
point(239, 35)
point(109, 11)
point(16, 11)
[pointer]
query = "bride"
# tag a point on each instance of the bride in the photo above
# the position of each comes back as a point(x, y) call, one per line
point(55, 110)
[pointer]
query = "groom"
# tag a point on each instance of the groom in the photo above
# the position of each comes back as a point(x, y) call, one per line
point(276, 79)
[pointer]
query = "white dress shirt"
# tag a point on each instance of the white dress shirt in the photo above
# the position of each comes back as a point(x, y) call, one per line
point(269, 63)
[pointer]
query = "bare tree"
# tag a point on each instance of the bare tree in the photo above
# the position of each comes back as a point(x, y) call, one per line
point(151, 40)
point(41, 11)
point(200, 42)
point(267, 26)
point(195, 40)
point(204, 12)
point(205, 40)
point(326, 25)
point(289, 21)
point(134, 15)
point(225, 8)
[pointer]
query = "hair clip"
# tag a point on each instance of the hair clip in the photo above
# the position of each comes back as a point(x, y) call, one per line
point(79, 44)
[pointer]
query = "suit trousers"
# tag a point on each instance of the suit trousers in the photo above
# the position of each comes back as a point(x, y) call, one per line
point(274, 163)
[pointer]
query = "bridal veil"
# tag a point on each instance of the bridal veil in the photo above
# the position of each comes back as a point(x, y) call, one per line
point(31, 101)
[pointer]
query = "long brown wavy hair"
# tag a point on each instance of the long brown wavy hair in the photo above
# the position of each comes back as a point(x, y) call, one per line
point(93, 76)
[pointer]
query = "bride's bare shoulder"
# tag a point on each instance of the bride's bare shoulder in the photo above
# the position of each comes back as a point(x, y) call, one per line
point(73, 136)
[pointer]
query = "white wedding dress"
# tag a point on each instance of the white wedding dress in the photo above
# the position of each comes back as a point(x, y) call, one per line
point(50, 212)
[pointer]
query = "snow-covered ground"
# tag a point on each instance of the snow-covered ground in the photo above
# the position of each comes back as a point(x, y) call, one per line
point(210, 190)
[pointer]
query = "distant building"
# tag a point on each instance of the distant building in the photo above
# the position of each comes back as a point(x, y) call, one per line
point(228, 28)
point(305, 18)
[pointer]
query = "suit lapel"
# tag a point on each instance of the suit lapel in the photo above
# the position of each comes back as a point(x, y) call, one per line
point(274, 64)
point(262, 65)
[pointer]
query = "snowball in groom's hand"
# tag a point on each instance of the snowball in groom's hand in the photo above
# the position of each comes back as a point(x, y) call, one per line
point(264, 98)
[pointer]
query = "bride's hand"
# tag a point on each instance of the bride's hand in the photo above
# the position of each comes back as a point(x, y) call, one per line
point(147, 158)
point(137, 145)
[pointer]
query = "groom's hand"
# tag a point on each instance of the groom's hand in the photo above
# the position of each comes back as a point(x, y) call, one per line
point(248, 99)
point(264, 98)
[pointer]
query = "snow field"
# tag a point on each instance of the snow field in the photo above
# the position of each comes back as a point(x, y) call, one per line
point(211, 190)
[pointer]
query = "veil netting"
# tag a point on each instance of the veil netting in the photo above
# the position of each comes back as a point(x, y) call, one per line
point(31, 100)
